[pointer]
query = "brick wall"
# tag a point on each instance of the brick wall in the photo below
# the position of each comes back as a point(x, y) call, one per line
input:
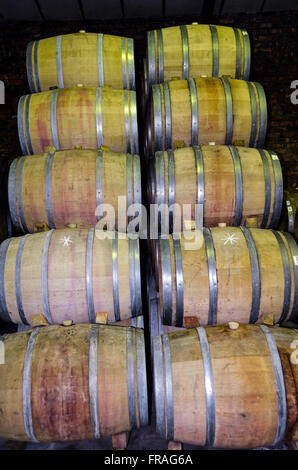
point(274, 64)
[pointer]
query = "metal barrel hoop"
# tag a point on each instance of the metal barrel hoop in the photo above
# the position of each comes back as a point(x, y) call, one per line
point(246, 54)
point(215, 50)
point(21, 129)
point(159, 386)
point(169, 387)
point(59, 61)
point(100, 60)
point(200, 184)
point(179, 282)
point(141, 378)
point(93, 380)
point(209, 386)
point(26, 386)
point(287, 275)
point(89, 275)
point(194, 112)
point(253, 108)
point(238, 54)
point(12, 199)
point(171, 186)
point(185, 52)
point(255, 275)
point(267, 180)
point(166, 281)
point(151, 60)
point(44, 277)
point(158, 140)
point(98, 114)
point(131, 63)
point(123, 58)
point(168, 116)
point(294, 252)
point(160, 56)
point(130, 332)
point(29, 67)
point(54, 124)
point(229, 109)
point(238, 185)
point(278, 193)
point(280, 385)
point(18, 279)
point(134, 122)
point(115, 277)
point(212, 275)
point(4, 315)
point(263, 115)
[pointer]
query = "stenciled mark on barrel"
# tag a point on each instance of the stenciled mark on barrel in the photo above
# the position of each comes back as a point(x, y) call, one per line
point(2, 92)
point(66, 241)
point(294, 355)
point(2, 352)
point(294, 94)
point(230, 239)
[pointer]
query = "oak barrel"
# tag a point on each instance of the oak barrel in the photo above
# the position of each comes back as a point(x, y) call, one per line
point(227, 388)
point(71, 186)
point(86, 117)
point(222, 274)
point(70, 274)
point(203, 110)
point(88, 58)
point(289, 216)
point(198, 49)
point(72, 383)
point(221, 183)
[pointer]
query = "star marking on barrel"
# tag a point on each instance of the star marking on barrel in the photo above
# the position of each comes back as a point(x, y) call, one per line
point(230, 238)
point(66, 241)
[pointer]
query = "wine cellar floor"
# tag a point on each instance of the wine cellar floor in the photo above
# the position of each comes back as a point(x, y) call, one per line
point(142, 439)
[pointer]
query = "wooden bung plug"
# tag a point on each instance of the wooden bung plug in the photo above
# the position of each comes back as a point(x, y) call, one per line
point(80, 85)
point(172, 445)
point(67, 322)
point(222, 224)
point(179, 144)
point(71, 225)
point(189, 224)
point(251, 222)
point(105, 148)
point(41, 227)
point(101, 318)
point(233, 325)
point(38, 320)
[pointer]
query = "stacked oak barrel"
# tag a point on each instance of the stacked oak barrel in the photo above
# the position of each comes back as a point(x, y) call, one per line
point(65, 379)
point(231, 385)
